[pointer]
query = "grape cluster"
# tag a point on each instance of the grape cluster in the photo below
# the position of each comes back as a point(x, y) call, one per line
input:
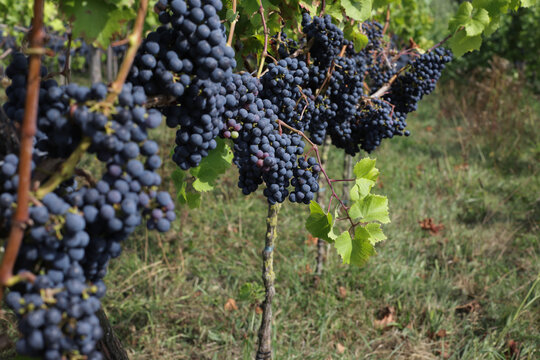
point(327, 38)
point(419, 80)
point(305, 181)
point(77, 227)
point(187, 58)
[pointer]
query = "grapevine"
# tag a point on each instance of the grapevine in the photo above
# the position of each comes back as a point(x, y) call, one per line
point(65, 225)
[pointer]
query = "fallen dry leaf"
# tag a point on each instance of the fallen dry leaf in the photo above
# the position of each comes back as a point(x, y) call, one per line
point(340, 348)
point(441, 333)
point(428, 224)
point(513, 349)
point(230, 305)
point(468, 308)
point(342, 292)
point(463, 166)
point(311, 240)
point(232, 229)
point(386, 318)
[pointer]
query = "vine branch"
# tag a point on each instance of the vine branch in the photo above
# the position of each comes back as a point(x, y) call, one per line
point(233, 24)
point(440, 43)
point(265, 48)
point(28, 131)
point(135, 40)
point(386, 20)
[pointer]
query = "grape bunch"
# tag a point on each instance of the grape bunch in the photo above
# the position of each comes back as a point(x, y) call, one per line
point(187, 59)
point(419, 80)
point(327, 38)
point(78, 223)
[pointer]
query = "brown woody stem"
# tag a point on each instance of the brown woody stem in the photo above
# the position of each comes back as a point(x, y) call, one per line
point(265, 48)
point(233, 24)
point(37, 38)
point(264, 350)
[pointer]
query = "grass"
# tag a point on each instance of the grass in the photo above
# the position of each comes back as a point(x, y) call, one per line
point(469, 292)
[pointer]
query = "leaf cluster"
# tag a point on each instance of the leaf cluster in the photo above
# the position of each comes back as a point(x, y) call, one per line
point(368, 211)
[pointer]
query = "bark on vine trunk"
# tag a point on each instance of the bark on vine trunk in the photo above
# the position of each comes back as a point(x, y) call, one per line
point(264, 349)
point(94, 65)
point(110, 68)
point(321, 244)
point(110, 345)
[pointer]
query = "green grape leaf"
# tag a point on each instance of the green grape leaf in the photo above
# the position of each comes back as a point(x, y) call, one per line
point(383, 3)
point(179, 181)
point(273, 22)
point(515, 4)
point(358, 10)
point(359, 40)
point(318, 223)
point(115, 24)
point(460, 43)
point(493, 25)
point(461, 17)
point(529, 3)
point(474, 20)
point(366, 169)
point(479, 21)
point(366, 175)
point(309, 6)
point(371, 208)
point(89, 18)
point(361, 189)
point(375, 232)
point(249, 7)
point(212, 166)
point(355, 251)
point(230, 15)
point(335, 10)
point(493, 7)
point(193, 199)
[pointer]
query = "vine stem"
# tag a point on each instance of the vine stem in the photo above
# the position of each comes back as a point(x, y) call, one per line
point(329, 73)
point(28, 131)
point(387, 20)
point(233, 24)
point(68, 167)
point(445, 39)
point(264, 349)
point(265, 48)
point(66, 171)
point(134, 41)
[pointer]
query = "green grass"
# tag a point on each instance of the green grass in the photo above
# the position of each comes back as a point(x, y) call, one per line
point(167, 293)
